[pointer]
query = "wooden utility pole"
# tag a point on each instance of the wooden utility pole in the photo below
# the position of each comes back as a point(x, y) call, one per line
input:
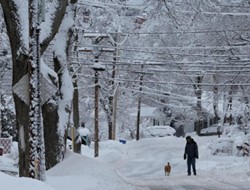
point(96, 137)
point(139, 111)
point(141, 73)
point(97, 67)
point(139, 108)
point(114, 113)
point(198, 93)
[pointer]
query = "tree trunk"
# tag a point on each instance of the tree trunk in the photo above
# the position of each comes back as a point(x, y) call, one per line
point(76, 119)
point(20, 68)
point(20, 59)
point(51, 136)
point(73, 38)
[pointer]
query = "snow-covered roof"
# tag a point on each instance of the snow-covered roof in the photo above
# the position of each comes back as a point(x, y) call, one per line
point(145, 112)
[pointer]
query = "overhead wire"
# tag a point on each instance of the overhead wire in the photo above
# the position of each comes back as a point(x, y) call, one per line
point(214, 48)
point(170, 96)
point(158, 61)
point(234, 6)
point(140, 49)
point(107, 5)
point(189, 68)
point(132, 62)
point(123, 33)
point(163, 59)
point(179, 83)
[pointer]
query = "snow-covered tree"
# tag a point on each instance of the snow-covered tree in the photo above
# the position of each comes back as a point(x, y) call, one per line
point(17, 22)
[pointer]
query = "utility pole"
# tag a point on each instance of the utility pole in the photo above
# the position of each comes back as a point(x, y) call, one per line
point(36, 138)
point(198, 93)
point(139, 108)
point(96, 121)
point(97, 67)
point(114, 113)
point(139, 102)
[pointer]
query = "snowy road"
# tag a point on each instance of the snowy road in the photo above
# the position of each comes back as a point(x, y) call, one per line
point(142, 164)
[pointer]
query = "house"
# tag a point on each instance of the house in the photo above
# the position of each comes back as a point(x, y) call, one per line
point(151, 115)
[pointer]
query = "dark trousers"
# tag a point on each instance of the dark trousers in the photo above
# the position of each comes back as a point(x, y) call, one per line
point(191, 162)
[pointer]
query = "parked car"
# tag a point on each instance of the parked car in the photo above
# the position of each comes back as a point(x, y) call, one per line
point(160, 131)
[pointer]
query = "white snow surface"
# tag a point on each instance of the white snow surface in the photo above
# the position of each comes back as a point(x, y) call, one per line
point(138, 165)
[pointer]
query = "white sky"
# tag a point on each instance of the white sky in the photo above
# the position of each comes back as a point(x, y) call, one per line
point(138, 165)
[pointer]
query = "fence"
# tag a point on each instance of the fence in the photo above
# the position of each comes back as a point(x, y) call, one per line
point(6, 144)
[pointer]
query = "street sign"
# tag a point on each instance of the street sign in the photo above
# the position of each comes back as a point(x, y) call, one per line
point(21, 89)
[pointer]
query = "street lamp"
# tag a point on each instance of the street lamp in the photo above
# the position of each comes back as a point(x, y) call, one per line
point(97, 67)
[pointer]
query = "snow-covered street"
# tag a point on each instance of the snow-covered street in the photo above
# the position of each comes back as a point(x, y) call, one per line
point(138, 165)
point(142, 163)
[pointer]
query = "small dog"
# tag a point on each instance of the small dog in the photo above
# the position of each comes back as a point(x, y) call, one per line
point(167, 169)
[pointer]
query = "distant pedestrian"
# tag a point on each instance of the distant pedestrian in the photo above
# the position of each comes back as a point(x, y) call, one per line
point(191, 154)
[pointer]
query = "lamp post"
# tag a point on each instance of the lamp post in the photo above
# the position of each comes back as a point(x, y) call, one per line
point(97, 67)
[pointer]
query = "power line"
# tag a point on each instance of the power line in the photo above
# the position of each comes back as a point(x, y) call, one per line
point(172, 53)
point(172, 65)
point(214, 48)
point(107, 5)
point(176, 32)
point(217, 13)
point(193, 74)
point(178, 83)
point(199, 71)
point(168, 64)
point(213, 65)
point(234, 6)
point(185, 54)
point(220, 74)
point(157, 61)
point(171, 96)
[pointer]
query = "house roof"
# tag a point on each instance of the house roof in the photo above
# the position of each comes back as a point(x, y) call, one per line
point(145, 112)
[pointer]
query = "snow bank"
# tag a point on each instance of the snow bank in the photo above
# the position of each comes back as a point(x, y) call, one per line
point(78, 172)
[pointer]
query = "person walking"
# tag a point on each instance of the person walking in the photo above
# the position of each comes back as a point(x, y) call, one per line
point(191, 154)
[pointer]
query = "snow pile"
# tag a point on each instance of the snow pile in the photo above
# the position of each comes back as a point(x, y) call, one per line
point(78, 172)
point(11, 183)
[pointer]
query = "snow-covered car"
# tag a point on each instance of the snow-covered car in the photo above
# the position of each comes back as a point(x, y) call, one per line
point(160, 131)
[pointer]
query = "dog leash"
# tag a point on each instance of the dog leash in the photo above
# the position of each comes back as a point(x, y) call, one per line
point(174, 165)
